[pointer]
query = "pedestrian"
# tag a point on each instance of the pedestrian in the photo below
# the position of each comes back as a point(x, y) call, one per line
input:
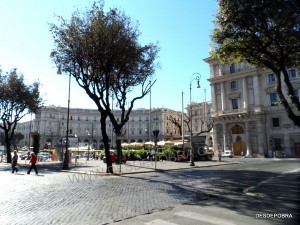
point(14, 162)
point(33, 160)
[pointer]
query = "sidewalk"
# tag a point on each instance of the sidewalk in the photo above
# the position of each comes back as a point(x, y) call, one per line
point(131, 167)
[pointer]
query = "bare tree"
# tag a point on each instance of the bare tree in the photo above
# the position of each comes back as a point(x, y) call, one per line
point(206, 125)
point(101, 51)
point(177, 121)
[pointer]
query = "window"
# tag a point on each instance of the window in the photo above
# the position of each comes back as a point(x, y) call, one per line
point(232, 68)
point(271, 78)
point(234, 103)
point(273, 99)
point(233, 85)
point(292, 73)
point(275, 122)
point(277, 144)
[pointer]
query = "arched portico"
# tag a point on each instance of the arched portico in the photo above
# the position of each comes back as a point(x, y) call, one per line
point(238, 140)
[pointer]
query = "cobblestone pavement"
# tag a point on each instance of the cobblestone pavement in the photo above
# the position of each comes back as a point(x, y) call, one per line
point(79, 198)
point(83, 197)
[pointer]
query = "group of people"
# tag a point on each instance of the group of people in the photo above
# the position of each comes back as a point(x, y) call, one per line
point(32, 161)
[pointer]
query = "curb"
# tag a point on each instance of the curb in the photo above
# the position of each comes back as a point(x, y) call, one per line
point(150, 170)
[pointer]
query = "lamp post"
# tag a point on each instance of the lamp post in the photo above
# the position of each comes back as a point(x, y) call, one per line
point(155, 133)
point(192, 78)
point(66, 158)
point(182, 123)
point(89, 135)
point(77, 156)
point(149, 135)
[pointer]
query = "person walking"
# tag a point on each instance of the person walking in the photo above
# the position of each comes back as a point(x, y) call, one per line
point(33, 160)
point(14, 162)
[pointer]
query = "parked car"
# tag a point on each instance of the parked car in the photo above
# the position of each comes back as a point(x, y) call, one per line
point(24, 156)
point(114, 157)
point(44, 156)
point(280, 154)
point(88, 155)
point(227, 153)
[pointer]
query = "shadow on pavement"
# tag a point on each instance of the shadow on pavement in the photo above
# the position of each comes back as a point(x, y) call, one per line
point(277, 199)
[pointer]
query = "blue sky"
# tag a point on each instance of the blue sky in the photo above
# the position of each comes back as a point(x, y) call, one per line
point(181, 28)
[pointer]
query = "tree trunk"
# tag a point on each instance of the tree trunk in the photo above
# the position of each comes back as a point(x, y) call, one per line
point(119, 146)
point(294, 98)
point(109, 168)
point(8, 146)
point(284, 102)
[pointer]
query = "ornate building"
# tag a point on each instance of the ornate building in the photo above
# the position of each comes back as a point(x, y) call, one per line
point(85, 129)
point(249, 118)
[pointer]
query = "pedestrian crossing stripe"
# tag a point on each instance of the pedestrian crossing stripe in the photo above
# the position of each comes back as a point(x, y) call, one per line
point(160, 222)
point(203, 218)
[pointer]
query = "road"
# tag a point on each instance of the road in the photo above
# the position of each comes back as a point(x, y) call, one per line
point(242, 193)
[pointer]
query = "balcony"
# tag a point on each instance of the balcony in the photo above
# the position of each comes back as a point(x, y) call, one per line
point(230, 112)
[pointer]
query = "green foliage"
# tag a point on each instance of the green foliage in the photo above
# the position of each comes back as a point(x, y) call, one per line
point(263, 33)
point(168, 154)
point(16, 101)
point(136, 154)
point(101, 51)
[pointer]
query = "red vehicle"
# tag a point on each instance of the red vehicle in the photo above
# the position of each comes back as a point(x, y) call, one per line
point(114, 157)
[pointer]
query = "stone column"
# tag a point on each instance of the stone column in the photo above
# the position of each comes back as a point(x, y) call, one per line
point(245, 94)
point(213, 96)
point(223, 97)
point(215, 137)
point(256, 90)
point(247, 136)
point(260, 138)
point(225, 136)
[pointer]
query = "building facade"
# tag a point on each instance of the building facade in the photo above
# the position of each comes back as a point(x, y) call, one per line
point(201, 120)
point(249, 119)
point(85, 128)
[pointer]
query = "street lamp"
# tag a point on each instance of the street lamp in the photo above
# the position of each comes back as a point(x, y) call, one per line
point(66, 158)
point(155, 133)
point(89, 135)
point(149, 135)
point(192, 78)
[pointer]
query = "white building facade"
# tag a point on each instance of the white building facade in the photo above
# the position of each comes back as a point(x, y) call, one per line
point(248, 118)
point(85, 128)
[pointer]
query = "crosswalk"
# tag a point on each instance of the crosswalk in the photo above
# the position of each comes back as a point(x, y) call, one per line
point(192, 218)
point(200, 215)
